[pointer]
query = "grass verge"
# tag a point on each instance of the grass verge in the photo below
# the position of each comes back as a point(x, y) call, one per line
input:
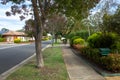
point(54, 68)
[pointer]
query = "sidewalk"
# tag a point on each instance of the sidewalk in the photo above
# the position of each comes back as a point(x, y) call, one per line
point(77, 68)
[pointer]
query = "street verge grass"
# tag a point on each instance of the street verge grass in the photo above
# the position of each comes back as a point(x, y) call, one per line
point(54, 68)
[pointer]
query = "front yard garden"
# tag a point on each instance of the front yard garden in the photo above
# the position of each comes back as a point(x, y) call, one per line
point(90, 49)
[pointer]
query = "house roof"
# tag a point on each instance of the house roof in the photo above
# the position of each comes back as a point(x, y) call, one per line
point(14, 33)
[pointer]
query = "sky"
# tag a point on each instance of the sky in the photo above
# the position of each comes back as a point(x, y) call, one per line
point(10, 22)
point(112, 6)
point(14, 23)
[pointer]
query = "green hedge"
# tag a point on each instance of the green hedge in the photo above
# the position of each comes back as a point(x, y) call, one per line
point(102, 40)
point(110, 62)
point(72, 39)
point(83, 34)
point(2, 39)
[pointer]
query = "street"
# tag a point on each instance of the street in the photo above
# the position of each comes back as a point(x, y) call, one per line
point(11, 55)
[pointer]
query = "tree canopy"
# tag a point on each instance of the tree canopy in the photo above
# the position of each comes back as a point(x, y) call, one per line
point(111, 23)
point(78, 9)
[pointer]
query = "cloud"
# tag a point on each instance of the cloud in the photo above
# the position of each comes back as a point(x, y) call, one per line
point(10, 22)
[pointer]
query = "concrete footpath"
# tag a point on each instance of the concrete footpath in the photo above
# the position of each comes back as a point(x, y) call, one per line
point(77, 68)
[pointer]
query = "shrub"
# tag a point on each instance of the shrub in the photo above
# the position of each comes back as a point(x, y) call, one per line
point(17, 40)
point(83, 34)
point(111, 62)
point(45, 38)
point(72, 39)
point(70, 35)
point(79, 41)
point(92, 54)
point(2, 39)
point(102, 40)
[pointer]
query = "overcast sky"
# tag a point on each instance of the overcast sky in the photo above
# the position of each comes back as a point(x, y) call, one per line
point(112, 6)
point(10, 22)
point(14, 23)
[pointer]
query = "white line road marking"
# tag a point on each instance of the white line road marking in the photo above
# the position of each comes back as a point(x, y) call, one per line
point(13, 46)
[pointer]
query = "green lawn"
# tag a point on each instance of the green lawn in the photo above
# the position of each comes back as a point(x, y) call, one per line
point(54, 68)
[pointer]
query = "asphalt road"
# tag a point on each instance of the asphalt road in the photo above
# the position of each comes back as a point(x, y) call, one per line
point(11, 55)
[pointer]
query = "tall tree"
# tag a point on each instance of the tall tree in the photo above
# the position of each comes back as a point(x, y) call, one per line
point(40, 12)
point(60, 25)
point(111, 23)
point(29, 28)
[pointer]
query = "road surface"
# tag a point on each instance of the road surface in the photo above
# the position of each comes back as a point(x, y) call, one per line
point(11, 55)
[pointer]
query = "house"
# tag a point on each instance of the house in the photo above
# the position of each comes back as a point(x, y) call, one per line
point(10, 36)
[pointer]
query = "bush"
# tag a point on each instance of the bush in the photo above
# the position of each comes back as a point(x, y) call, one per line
point(72, 39)
point(17, 40)
point(2, 39)
point(79, 41)
point(45, 38)
point(102, 40)
point(83, 34)
point(110, 62)
point(92, 54)
point(70, 35)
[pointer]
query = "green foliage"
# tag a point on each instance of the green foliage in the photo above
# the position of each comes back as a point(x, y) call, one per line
point(2, 39)
point(93, 39)
point(45, 38)
point(72, 39)
point(118, 46)
point(17, 40)
point(111, 23)
point(75, 8)
point(83, 34)
point(70, 35)
point(44, 33)
point(91, 53)
point(102, 40)
point(110, 62)
point(79, 41)
point(29, 28)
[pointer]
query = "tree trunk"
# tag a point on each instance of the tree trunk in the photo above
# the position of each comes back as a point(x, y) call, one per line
point(38, 46)
point(38, 35)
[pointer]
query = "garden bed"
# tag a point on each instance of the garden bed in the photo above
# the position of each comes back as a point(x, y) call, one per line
point(98, 67)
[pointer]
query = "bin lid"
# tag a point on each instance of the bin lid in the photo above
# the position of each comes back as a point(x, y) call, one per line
point(104, 49)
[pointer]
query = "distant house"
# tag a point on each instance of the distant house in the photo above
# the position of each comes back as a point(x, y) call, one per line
point(10, 36)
